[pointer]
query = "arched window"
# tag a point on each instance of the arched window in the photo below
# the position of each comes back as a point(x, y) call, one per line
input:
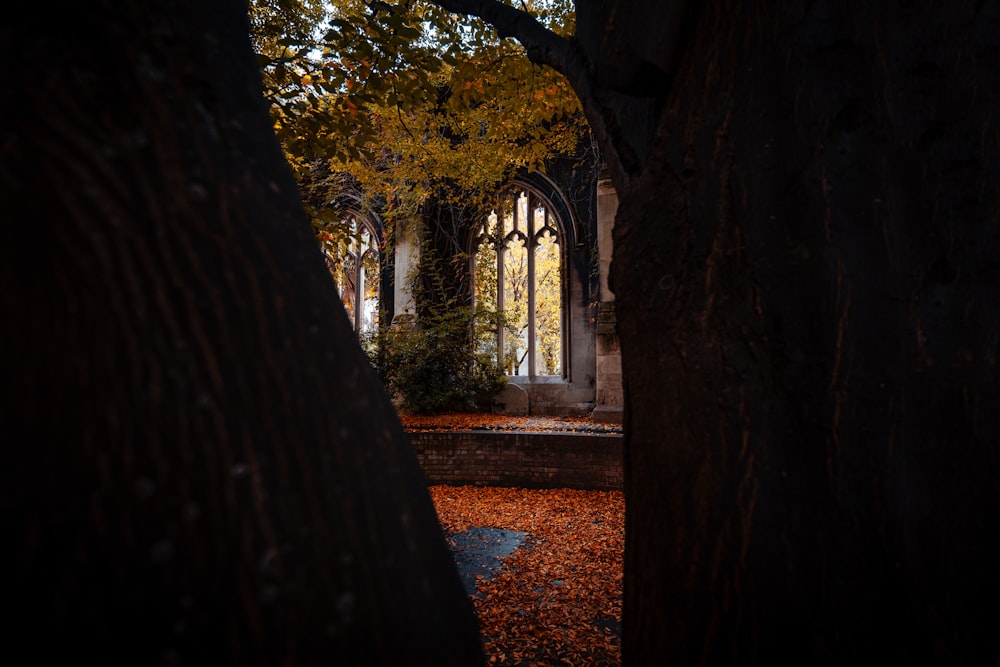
point(355, 265)
point(518, 272)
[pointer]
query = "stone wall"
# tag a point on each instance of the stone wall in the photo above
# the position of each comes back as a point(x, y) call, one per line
point(610, 394)
point(530, 460)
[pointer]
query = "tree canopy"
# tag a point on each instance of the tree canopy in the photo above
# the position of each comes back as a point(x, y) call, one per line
point(396, 103)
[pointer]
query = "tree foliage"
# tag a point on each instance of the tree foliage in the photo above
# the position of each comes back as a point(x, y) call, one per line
point(388, 103)
point(390, 108)
point(435, 368)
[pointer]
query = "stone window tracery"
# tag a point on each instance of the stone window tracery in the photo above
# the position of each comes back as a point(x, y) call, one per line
point(356, 271)
point(518, 273)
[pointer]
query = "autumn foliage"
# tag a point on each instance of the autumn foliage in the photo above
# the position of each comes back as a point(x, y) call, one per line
point(558, 598)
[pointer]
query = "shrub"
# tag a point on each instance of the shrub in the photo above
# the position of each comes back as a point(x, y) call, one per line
point(436, 367)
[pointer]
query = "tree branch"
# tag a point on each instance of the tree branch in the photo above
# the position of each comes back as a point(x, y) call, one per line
point(545, 47)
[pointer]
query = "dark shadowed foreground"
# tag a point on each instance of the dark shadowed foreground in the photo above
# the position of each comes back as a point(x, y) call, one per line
point(201, 467)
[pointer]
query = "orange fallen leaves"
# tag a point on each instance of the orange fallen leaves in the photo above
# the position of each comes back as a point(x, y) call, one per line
point(557, 600)
point(485, 421)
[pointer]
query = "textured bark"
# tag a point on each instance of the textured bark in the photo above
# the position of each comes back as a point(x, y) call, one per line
point(806, 283)
point(806, 289)
point(201, 468)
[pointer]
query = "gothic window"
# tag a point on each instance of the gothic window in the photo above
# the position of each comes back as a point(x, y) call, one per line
point(518, 273)
point(355, 266)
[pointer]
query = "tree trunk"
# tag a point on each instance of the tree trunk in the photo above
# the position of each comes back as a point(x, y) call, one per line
point(202, 468)
point(807, 291)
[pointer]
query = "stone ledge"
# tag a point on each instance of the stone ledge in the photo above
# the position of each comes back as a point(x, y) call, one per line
point(608, 414)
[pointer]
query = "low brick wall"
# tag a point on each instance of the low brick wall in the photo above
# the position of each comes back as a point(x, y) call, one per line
point(519, 458)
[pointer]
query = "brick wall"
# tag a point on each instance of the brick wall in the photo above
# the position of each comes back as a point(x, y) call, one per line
point(531, 460)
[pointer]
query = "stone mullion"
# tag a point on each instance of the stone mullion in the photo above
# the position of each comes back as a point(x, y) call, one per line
point(501, 247)
point(359, 286)
point(530, 287)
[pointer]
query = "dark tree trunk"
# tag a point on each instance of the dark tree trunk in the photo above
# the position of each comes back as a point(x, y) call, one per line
point(808, 297)
point(808, 301)
point(201, 468)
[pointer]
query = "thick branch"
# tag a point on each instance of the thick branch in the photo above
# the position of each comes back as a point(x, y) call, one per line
point(545, 47)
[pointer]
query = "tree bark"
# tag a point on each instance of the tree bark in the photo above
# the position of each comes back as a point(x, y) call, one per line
point(806, 287)
point(202, 468)
point(806, 290)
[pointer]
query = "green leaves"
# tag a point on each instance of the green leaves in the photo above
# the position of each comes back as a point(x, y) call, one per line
point(435, 369)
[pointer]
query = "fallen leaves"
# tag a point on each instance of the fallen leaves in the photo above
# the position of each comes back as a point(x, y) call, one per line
point(474, 421)
point(557, 599)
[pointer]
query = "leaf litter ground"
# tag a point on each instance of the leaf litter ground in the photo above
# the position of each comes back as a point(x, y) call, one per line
point(484, 421)
point(543, 568)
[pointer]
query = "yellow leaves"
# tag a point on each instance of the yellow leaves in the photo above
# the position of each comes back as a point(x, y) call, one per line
point(547, 92)
point(474, 85)
point(451, 105)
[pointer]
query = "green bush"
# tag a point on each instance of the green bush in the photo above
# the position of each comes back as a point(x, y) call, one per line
point(437, 367)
